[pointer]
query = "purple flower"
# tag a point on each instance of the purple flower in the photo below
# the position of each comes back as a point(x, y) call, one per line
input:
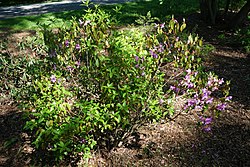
point(185, 107)
point(82, 141)
point(191, 102)
point(53, 78)
point(229, 98)
point(201, 118)
point(210, 100)
point(162, 25)
point(208, 121)
point(172, 87)
point(66, 43)
point(78, 47)
point(206, 93)
point(198, 107)
point(143, 73)
point(187, 78)
point(69, 68)
point(221, 106)
point(190, 85)
point(188, 71)
point(136, 58)
point(215, 88)
point(137, 66)
point(78, 63)
point(204, 96)
point(143, 58)
point(160, 49)
point(221, 81)
point(207, 129)
point(153, 54)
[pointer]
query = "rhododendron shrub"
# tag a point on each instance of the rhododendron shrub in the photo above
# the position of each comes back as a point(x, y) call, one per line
point(202, 91)
point(98, 84)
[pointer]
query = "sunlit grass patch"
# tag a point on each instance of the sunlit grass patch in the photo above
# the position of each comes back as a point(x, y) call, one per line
point(128, 13)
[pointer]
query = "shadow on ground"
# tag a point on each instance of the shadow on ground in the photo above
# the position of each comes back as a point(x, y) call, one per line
point(179, 143)
point(11, 141)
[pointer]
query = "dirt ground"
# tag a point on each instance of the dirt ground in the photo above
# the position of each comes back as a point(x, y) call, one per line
point(176, 142)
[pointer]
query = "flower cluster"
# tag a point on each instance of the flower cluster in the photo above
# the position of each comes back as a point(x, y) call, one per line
point(203, 93)
point(200, 96)
point(206, 123)
point(155, 53)
point(78, 47)
point(66, 43)
point(160, 25)
point(53, 78)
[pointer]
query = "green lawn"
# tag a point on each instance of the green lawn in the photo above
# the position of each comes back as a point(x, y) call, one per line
point(129, 13)
point(33, 22)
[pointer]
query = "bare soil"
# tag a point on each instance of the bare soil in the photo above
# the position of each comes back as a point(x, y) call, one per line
point(175, 142)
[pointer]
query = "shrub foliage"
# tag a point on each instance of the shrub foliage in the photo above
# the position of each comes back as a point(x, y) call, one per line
point(97, 84)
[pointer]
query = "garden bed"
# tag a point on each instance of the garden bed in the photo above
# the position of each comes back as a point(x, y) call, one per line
point(175, 142)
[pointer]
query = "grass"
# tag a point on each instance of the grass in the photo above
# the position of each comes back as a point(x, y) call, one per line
point(129, 13)
point(33, 22)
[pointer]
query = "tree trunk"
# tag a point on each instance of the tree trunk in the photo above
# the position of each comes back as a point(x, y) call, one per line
point(241, 15)
point(213, 8)
point(209, 9)
point(227, 7)
point(204, 10)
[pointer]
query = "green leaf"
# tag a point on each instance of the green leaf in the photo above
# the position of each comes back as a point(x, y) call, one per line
point(183, 26)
